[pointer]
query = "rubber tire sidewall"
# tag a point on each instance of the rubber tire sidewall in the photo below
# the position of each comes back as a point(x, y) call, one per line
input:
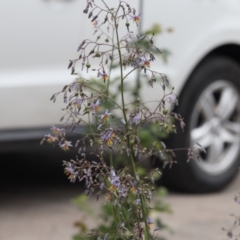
point(188, 176)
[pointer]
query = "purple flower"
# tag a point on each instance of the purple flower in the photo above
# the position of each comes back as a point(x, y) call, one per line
point(149, 222)
point(95, 106)
point(135, 120)
point(115, 181)
point(144, 62)
point(71, 173)
point(105, 115)
point(77, 102)
point(108, 136)
point(137, 201)
point(65, 146)
point(95, 23)
point(103, 75)
point(75, 87)
point(172, 98)
point(134, 188)
point(135, 18)
point(123, 190)
point(56, 130)
point(50, 138)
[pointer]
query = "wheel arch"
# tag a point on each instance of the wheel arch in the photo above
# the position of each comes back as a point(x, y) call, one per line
point(231, 51)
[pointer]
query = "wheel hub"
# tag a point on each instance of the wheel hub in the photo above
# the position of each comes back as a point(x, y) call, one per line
point(215, 125)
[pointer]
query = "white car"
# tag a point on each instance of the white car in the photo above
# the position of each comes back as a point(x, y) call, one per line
point(38, 38)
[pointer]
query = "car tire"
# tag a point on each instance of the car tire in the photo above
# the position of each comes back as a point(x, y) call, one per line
point(210, 106)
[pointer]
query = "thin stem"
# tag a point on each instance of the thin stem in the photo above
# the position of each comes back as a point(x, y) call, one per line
point(125, 117)
point(90, 126)
point(129, 73)
point(111, 159)
point(121, 75)
point(125, 216)
point(128, 139)
point(115, 213)
point(108, 83)
point(104, 95)
point(141, 200)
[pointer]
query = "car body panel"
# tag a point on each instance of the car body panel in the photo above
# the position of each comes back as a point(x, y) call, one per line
point(202, 27)
point(38, 38)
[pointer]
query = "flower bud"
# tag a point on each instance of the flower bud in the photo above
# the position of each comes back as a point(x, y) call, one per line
point(97, 54)
point(165, 111)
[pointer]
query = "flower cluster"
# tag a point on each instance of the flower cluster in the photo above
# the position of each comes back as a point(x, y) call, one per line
point(99, 177)
point(58, 136)
point(108, 136)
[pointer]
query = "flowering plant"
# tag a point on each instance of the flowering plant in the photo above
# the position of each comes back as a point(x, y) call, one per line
point(112, 125)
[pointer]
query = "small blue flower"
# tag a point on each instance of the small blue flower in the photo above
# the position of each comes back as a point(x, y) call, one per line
point(172, 99)
point(65, 146)
point(95, 23)
point(135, 18)
point(96, 106)
point(57, 131)
point(115, 181)
point(149, 222)
point(144, 62)
point(135, 120)
point(50, 138)
point(105, 115)
point(71, 173)
point(75, 87)
point(103, 75)
point(77, 102)
point(137, 201)
point(108, 134)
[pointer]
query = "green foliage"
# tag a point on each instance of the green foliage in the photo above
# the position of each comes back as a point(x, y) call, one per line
point(107, 222)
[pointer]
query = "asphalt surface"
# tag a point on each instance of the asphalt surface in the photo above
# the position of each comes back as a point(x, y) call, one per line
point(35, 203)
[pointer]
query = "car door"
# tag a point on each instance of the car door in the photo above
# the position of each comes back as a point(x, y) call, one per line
point(37, 38)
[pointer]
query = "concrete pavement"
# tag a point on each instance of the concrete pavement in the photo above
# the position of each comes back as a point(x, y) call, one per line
point(46, 213)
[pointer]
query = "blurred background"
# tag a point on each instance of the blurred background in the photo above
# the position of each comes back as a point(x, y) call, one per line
point(37, 39)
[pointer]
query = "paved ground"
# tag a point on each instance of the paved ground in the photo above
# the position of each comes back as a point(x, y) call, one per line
point(33, 210)
point(198, 217)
